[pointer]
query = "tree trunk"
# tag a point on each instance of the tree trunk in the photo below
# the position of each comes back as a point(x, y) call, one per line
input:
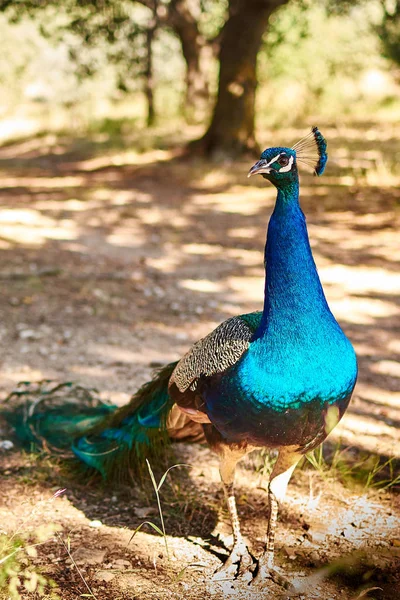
point(149, 70)
point(231, 131)
point(182, 21)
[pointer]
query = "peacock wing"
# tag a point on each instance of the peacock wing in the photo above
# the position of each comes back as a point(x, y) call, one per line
point(211, 355)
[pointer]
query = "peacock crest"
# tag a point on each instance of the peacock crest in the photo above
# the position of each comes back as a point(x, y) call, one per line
point(311, 151)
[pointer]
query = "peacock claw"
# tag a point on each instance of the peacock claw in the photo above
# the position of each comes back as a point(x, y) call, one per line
point(240, 564)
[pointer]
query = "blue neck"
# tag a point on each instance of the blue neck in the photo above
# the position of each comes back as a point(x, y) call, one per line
point(293, 291)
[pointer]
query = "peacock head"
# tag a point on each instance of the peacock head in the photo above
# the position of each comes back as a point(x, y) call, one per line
point(279, 165)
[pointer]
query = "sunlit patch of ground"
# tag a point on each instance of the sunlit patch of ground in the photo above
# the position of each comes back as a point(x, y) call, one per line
point(115, 261)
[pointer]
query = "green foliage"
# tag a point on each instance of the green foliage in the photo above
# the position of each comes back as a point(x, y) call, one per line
point(87, 59)
point(92, 35)
point(315, 63)
point(388, 29)
point(82, 56)
point(213, 14)
point(42, 72)
point(384, 19)
point(17, 575)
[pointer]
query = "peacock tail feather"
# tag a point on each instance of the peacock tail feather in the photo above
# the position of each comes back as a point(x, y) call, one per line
point(114, 441)
point(119, 445)
point(50, 415)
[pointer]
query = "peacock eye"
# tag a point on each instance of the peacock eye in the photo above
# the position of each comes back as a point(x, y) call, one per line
point(283, 161)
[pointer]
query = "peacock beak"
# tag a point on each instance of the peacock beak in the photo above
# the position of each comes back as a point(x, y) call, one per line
point(262, 166)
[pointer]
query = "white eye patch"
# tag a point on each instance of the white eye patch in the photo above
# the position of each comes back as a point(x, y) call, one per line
point(273, 160)
point(282, 169)
point(288, 166)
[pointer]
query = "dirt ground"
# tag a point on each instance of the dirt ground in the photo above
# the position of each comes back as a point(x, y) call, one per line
point(114, 261)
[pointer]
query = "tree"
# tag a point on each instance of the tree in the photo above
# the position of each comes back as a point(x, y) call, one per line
point(231, 131)
point(193, 43)
point(235, 42)
point(96, 20)
point(388, 30)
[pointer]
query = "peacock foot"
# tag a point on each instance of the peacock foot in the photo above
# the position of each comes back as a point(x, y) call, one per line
point(240, 564)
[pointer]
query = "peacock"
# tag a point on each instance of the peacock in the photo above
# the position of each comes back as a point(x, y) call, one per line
point(280, 378)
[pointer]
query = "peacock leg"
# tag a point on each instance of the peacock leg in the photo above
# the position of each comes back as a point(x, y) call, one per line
point(280, 476)
point(240, 561)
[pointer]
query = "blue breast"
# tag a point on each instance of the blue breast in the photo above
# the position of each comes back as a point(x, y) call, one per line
point(284, 395)
point(295, 381)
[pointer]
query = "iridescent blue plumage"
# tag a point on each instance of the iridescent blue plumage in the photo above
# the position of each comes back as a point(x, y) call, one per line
point(299, 362)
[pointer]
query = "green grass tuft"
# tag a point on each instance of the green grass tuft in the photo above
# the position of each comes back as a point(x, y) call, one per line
point(355, 469)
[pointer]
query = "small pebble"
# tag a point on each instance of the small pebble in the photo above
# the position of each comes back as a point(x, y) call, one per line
point(104, 576)
point(6, 445)
point(181, 335)
point(95, 524)
point(28, 334)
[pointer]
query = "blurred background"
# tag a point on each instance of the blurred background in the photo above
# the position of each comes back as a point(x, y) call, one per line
point(120, 66)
